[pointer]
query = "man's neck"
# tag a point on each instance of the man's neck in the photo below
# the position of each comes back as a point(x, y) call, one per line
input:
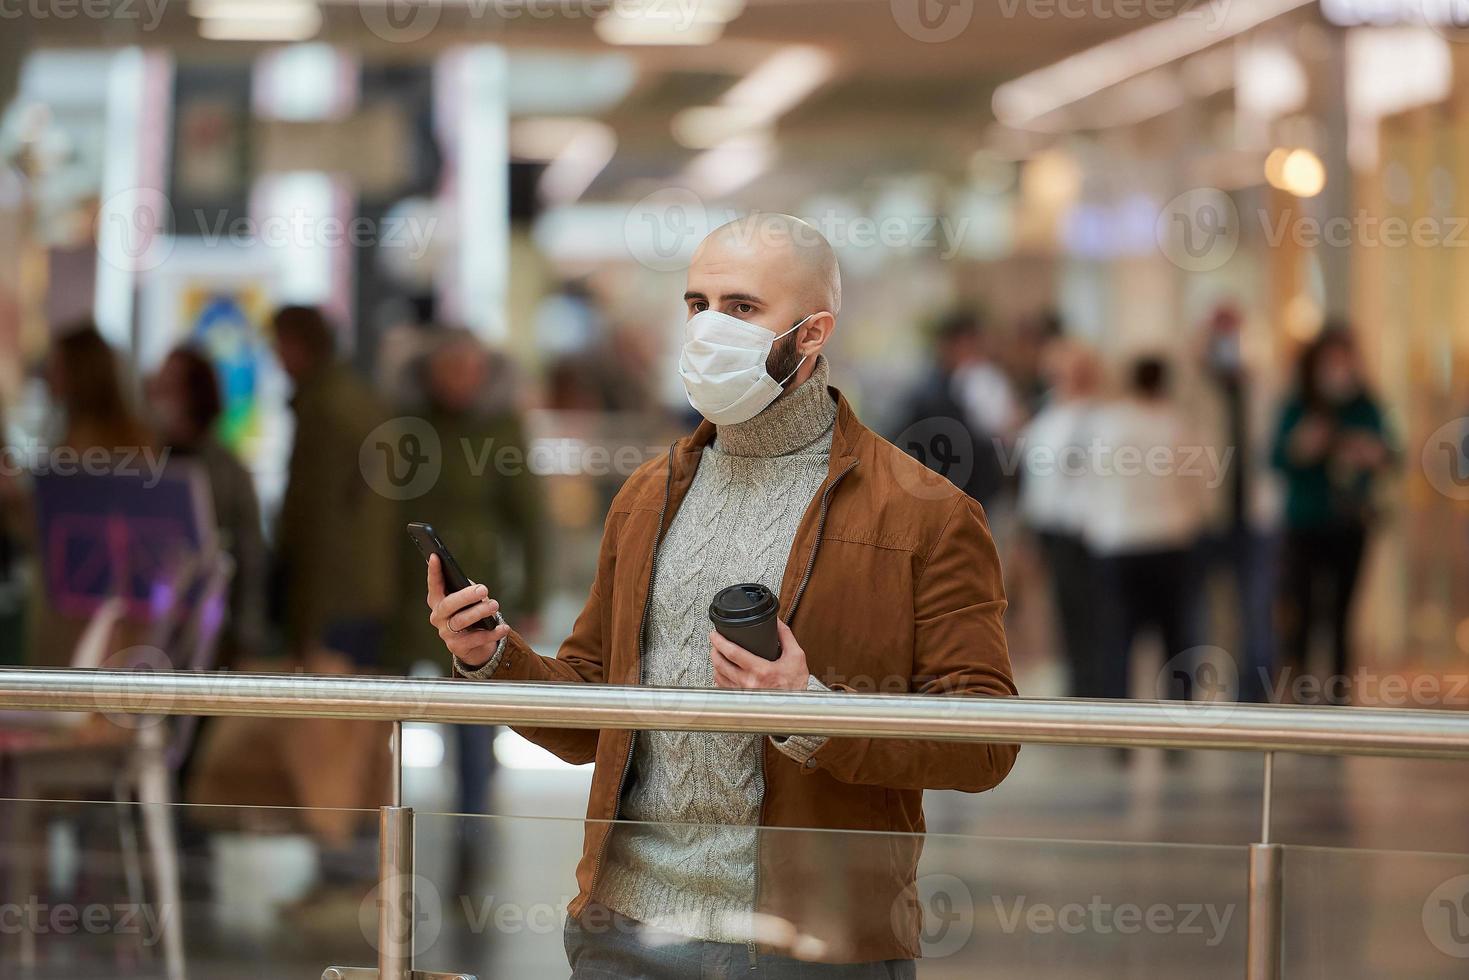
point(799, 417)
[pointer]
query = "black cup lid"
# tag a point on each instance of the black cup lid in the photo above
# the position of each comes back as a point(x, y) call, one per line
point(744, 602)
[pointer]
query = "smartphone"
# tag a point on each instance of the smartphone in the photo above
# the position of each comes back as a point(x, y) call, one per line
point(429, 543)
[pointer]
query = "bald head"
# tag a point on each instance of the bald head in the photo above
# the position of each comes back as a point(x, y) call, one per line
point(785, 242)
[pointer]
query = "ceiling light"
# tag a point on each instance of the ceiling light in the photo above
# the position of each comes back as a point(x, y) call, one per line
point(705, 126)
point(780, 82)
point(1025, 100)
point(771, 89)
point(658, 22)
point(731, 165)
point(257, 20)
point(577, 150)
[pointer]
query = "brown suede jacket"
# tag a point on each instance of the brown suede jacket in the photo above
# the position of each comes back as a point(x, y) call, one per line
point(893, 586)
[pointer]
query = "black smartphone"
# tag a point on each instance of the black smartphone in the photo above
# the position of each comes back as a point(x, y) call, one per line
point(429, 543)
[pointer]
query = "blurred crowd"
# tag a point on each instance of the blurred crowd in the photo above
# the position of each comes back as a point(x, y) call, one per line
point(1186, 499)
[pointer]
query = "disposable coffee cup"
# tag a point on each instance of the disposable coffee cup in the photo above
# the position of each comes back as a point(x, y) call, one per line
point(745, 614)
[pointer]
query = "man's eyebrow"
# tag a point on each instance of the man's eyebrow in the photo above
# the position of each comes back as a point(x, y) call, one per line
point(726, 298)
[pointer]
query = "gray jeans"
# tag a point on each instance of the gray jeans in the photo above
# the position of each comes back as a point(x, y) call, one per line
point(614, 947)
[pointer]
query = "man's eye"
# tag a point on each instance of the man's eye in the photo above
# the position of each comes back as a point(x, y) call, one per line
point(699, 306)
point(744, 308)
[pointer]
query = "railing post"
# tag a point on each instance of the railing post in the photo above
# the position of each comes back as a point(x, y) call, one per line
point(1263, 942)
point(395, 903)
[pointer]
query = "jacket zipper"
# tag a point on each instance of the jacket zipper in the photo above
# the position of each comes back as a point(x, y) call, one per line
point(642, 639)
point(790, 615)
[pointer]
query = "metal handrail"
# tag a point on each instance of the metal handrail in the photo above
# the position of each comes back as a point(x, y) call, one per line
point(1155, 724)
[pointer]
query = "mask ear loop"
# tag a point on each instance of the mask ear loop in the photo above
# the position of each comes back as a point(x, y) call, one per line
point(803, 356)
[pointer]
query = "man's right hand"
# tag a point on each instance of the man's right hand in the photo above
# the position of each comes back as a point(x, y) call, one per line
point(453, 615)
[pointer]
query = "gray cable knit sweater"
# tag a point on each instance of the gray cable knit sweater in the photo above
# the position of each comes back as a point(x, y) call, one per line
point(690, 867)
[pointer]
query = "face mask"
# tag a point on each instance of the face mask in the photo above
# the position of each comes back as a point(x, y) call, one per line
point(723, 366)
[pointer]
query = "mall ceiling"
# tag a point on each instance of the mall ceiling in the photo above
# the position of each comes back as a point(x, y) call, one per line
point(909, 88)
point(944, 44)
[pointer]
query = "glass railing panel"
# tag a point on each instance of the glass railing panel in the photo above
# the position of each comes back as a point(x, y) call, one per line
point(103, 891)
point(493, 892)
point(1351, 913)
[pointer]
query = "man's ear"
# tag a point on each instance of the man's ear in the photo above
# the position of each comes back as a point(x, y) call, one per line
point(811, 338)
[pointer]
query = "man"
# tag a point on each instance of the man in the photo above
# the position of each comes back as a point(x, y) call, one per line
point(889, 582)
point(336, 537)
point(965, 387)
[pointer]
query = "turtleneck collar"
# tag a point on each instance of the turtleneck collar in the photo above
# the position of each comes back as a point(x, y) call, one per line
point(793, 421)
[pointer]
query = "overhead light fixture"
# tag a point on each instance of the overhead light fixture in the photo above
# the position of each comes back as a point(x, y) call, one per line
point(257, 20)
point(657, 22)
point(729, 166)
point(1025, 100)
point(771, 89)
point(577, 151)
point(705, 126)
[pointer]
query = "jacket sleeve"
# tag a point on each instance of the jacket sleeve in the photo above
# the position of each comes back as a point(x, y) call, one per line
point(581, 659)
point(959, 650)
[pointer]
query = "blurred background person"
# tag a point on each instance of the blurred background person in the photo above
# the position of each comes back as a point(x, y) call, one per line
point(1026, 356)
point(336, 537)
point(94, 414)
point(1332, 446)
point(1242, 538)
point(486, 504)
point(185, 402)
point(1053, 505)
point(1143, 521)
point(87, 389)
point(964, 387)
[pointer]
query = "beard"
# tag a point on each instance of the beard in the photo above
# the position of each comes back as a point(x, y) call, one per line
point(783, 358)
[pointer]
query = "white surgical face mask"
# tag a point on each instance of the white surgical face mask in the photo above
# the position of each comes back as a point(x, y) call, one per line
point(723, 366)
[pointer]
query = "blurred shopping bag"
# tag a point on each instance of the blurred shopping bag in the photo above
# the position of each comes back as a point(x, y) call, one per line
point(334, 769)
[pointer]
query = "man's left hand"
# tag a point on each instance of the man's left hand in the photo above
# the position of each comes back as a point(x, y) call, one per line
point(736, 667)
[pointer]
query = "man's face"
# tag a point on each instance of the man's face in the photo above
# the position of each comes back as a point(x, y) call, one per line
point(755, 281)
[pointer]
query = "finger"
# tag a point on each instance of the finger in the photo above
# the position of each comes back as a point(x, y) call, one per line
point(435, 582)
point(474, 640)
point(467, 617)
point(723, 666)
point(738, 655)
point(739, 675)
point(451, 604)
point(724, 676)
point(787, 638)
